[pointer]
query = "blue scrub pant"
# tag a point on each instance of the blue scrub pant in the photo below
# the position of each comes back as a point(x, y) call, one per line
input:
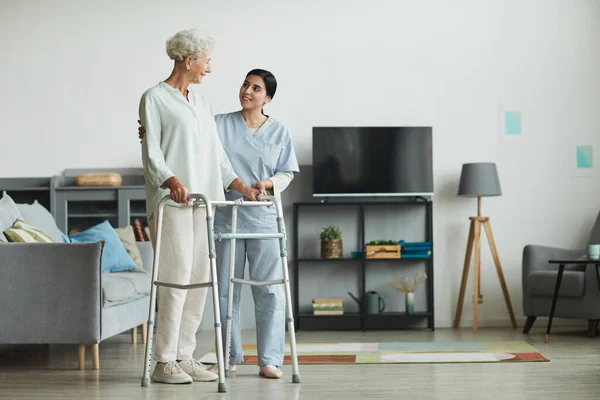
point(269, 301)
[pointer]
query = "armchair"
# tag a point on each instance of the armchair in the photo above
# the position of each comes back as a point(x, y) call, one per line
point(579, 296)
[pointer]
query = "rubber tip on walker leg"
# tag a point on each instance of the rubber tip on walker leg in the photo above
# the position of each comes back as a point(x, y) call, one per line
point(227, 373)
point(547, 338)
point(145, 382)
point(222, 388)
point(296, 378)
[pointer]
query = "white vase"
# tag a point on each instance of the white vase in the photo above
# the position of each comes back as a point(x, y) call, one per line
point(410, 303)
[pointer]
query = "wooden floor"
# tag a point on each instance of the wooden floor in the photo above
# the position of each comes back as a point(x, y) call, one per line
point(40, 371)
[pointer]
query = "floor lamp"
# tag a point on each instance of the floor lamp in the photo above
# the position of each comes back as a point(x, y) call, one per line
point(480, 180)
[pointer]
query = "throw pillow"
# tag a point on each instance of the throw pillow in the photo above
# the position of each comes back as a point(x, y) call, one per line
point(9, 213)
point(114, 255)
point(128, 239)
point(37, 215)
point(64, 238)
point(24, 233)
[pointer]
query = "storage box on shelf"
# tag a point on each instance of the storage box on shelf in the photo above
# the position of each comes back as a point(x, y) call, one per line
point(376, 250)
point(368, 268)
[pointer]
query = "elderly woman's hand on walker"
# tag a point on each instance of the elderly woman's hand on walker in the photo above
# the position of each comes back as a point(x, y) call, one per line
point(179, 193)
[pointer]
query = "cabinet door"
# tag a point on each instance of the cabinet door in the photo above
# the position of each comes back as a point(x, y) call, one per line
point(79, 210)
point(132, 206)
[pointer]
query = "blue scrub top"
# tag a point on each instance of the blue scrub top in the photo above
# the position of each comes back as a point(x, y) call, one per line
point(254, 158)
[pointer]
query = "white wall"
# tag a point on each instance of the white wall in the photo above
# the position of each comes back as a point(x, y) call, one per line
point(73, 73)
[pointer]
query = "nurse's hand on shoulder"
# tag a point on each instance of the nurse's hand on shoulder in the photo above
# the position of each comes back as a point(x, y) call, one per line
point(141, 131)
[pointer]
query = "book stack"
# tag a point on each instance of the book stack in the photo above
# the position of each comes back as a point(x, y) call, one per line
point(328, 306)
point(415, 249)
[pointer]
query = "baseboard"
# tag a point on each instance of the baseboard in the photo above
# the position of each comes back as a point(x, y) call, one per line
point(540, 322)
point(505, 322)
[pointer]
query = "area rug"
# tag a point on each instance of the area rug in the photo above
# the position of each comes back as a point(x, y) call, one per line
point(401, 353)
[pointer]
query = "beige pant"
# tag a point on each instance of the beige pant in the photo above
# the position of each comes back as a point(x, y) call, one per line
point(183, 259)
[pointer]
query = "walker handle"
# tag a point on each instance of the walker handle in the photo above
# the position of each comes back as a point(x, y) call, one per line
point(198, 197)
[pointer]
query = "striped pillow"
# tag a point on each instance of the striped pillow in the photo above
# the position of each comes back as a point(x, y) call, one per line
point(23, 232)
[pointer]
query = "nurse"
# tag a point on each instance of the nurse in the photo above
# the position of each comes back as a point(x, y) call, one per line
point(261, 152)
point(260, 149)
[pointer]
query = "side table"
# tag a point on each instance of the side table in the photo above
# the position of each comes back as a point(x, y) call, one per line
point(561, 269)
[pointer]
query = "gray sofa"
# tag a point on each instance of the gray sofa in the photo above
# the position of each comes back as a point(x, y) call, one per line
point(579, 295)
point(55, 293)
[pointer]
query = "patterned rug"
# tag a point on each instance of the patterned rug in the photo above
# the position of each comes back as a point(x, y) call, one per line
point(401, 353)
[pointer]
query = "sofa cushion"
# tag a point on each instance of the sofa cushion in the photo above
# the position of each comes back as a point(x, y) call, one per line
point(37, 215)
point(9, 213)
point(22, 232)
point(128, 239)
point(123, 287)
point(542, 283)
point(114, 255)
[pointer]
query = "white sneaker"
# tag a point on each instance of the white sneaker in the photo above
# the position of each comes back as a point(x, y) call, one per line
point(198, 371)
point(215, 368)
point(270, 371)
point(170, 373)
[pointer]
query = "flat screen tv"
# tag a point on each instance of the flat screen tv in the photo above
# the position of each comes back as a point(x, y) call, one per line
point(372, 161)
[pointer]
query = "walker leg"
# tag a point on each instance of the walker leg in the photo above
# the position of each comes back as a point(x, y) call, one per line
point(151, 311)
point(230, 292)
point(290, 322)
point(288, 302)
point(222, 387)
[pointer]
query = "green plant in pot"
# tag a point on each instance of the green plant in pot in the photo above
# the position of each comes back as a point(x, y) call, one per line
point(331, 242)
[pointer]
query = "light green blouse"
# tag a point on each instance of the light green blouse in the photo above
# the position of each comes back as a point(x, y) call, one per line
point(181, 140)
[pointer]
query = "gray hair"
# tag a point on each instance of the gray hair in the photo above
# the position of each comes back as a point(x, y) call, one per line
point(189, 43)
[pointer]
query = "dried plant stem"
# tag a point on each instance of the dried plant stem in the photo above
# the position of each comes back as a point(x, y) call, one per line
point(407, 285)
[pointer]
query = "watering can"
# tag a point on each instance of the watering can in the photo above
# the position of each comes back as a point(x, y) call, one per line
point(372, 302)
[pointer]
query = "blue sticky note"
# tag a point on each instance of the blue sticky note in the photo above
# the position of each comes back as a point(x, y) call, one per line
point(585, 157)
point(512, 123)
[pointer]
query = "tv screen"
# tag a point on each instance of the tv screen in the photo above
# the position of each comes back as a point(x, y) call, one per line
point(372, 161)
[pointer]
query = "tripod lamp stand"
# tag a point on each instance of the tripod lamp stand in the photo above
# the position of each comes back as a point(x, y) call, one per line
point(480, 180)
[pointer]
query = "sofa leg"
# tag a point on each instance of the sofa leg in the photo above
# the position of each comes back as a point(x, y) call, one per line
point(96, 356)
point(592, 327)
point(134, 335)
point(81, 351)
point(144, 332)
point(528, 324)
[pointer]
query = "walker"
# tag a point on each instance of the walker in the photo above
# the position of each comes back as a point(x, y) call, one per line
point(264, 201)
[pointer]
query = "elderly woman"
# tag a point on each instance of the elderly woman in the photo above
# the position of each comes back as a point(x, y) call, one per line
point(182, 153)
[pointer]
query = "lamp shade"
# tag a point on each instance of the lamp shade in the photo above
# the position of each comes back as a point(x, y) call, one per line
point(479, 179)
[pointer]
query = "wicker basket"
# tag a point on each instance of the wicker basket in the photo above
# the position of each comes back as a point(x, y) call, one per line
point(331, 249)
point(99, 179)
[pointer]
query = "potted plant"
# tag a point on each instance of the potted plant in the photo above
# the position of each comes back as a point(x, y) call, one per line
point(331, 242)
